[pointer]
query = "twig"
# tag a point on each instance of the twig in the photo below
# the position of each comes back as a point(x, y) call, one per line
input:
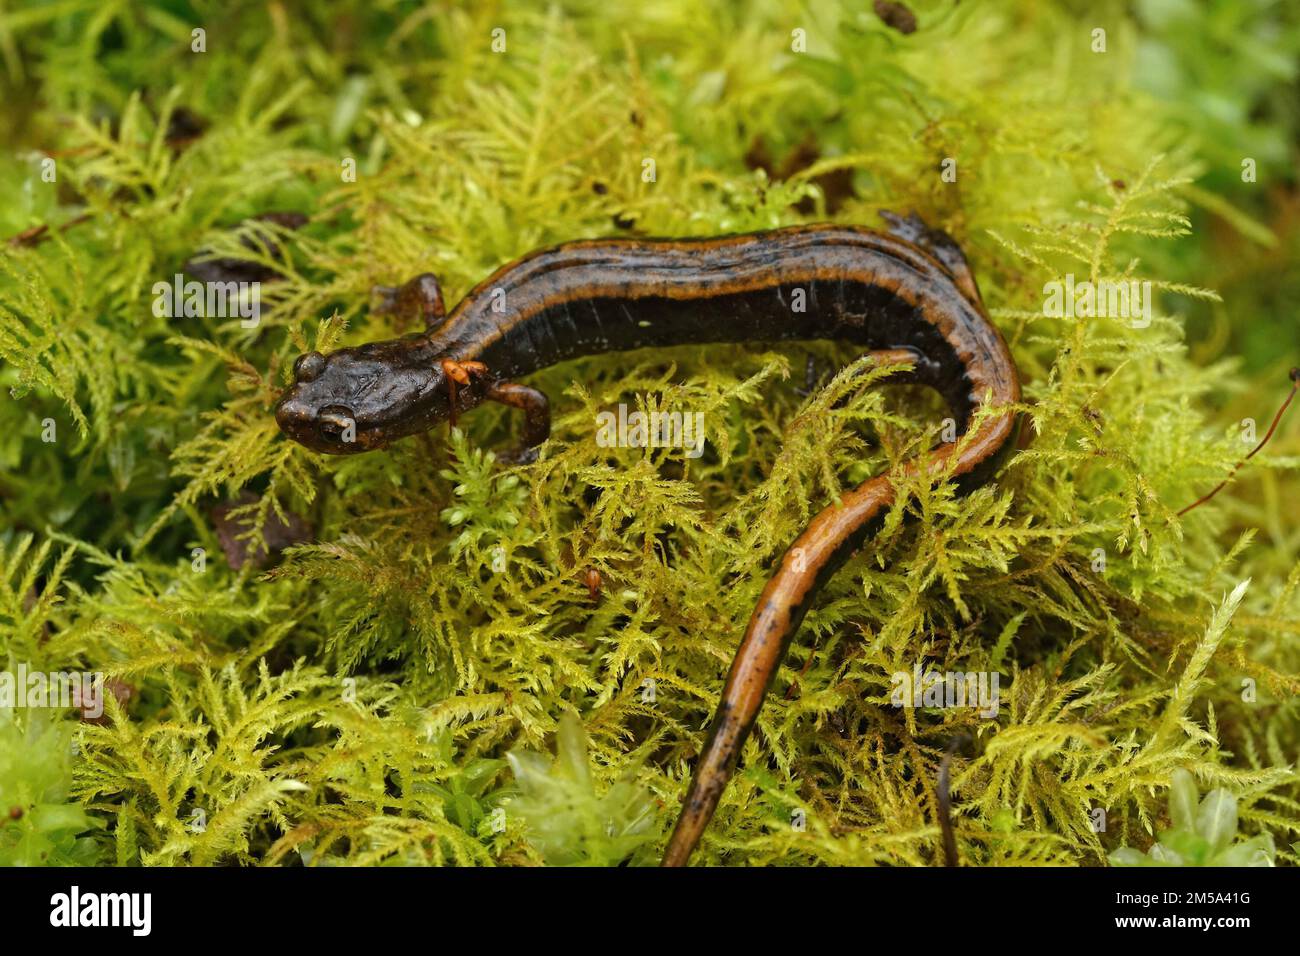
point(1295, 384)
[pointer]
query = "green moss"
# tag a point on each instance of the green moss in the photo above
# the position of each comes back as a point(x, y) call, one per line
point(39, 822)
point(1202, 835)
point(564, 817)
point(357, 702)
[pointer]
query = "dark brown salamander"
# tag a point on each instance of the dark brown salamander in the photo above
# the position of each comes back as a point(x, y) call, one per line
point(908, 296)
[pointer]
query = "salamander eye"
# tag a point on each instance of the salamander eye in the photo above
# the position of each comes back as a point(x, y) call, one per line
point(336, 423)
point(307, 366)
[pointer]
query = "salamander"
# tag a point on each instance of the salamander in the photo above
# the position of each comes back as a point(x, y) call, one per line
point(906, 295)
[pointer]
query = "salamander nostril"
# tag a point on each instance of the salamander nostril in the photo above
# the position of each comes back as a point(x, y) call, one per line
point(289, 412)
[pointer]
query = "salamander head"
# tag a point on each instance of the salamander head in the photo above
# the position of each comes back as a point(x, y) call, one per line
point(358, 399)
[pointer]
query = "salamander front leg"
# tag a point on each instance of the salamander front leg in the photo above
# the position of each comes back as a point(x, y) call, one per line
point(458, 373)
point(537, 418)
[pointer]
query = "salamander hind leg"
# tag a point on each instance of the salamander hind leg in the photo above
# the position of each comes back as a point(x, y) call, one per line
point(537, 418)
point(815, 379)
point(940, 245)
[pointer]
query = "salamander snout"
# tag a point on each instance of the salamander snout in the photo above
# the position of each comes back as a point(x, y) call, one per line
point(332, 429)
